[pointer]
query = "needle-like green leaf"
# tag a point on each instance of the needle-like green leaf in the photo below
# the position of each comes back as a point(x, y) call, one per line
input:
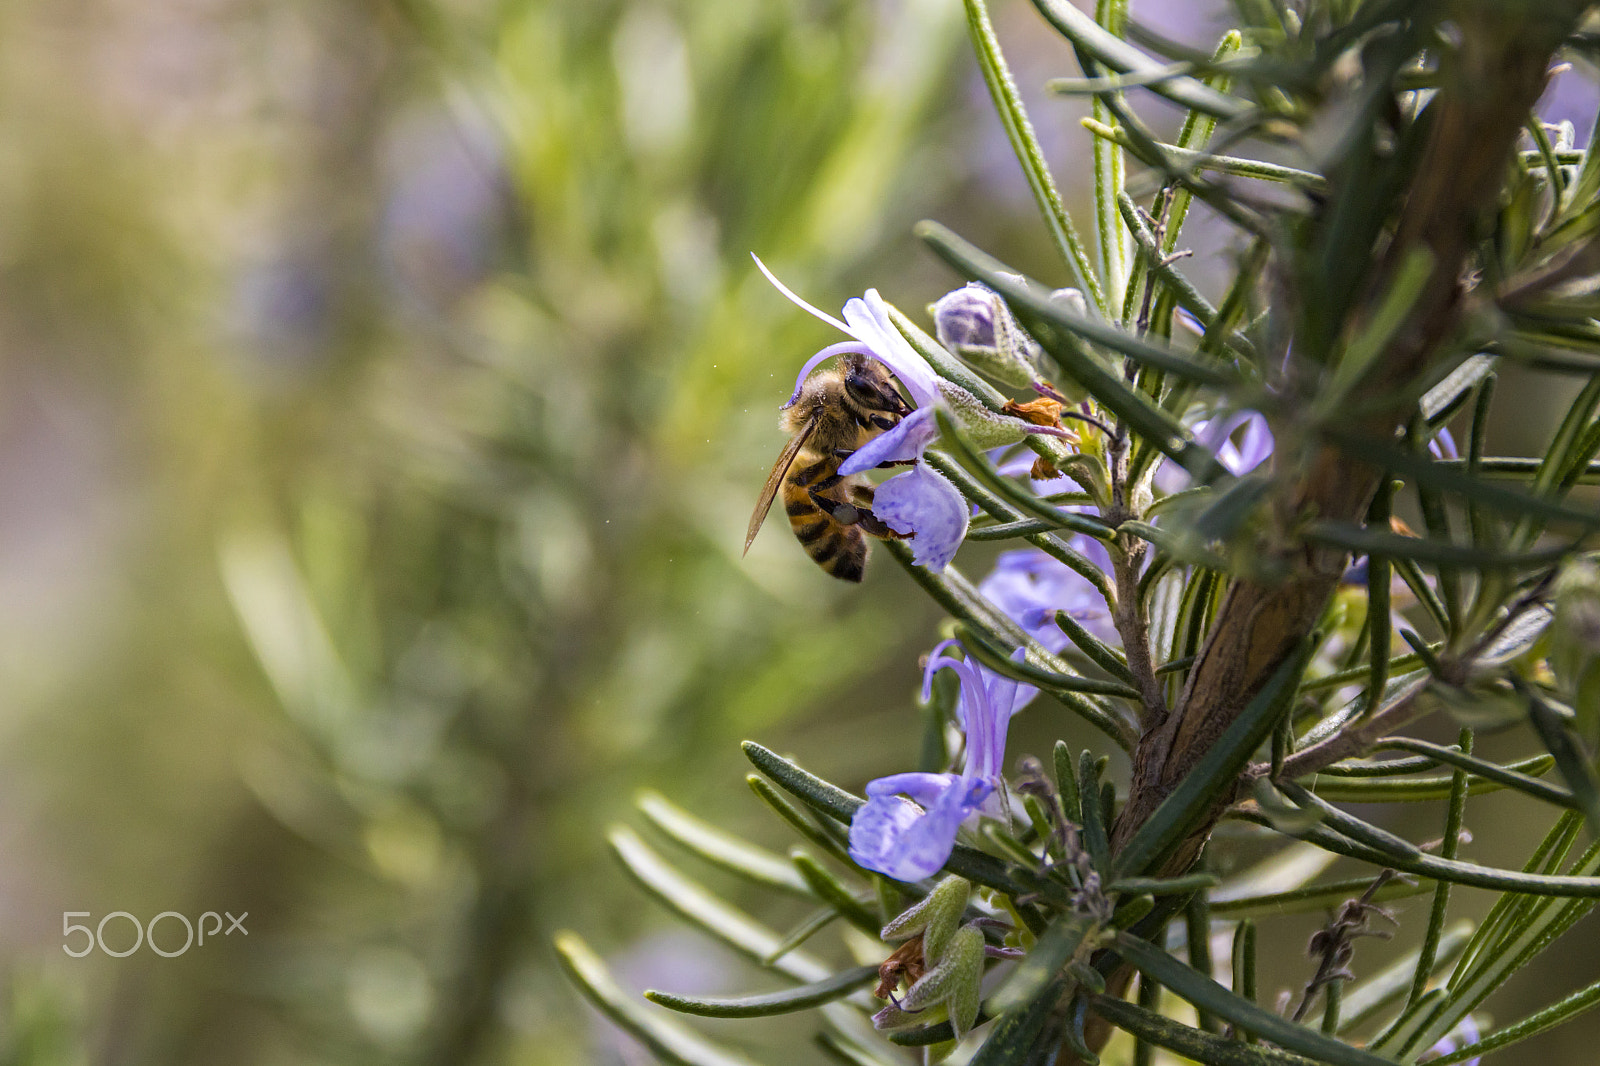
point(766, 1004)
point(670, 1041)
point(1207, 994)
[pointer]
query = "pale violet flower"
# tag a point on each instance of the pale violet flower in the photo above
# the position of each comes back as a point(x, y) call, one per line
point(1443, 446)
point(909, 823)
point(1465, 1033)
point(1253, 447)
point(920, 503)
point(1031, 586)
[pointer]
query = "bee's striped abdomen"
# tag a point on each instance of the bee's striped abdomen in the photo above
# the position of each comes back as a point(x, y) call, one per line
point(839, 549)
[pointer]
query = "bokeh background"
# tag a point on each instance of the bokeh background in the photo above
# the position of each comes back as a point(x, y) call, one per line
point(384, 387)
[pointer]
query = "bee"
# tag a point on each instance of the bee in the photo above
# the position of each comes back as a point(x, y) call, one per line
point(839, 410)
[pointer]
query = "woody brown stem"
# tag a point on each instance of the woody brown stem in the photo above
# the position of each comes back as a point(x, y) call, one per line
point(1492, 81)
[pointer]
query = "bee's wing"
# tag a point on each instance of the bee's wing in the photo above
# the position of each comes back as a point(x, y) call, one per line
point(769, 491)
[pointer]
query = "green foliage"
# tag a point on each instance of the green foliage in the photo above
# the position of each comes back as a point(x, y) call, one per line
point(1405, 247)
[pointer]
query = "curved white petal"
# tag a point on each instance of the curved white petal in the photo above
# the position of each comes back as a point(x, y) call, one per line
point(907, 440)
point(923, 502)
point(781, 287)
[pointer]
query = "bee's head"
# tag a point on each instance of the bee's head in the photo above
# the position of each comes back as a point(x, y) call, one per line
point(871, 385)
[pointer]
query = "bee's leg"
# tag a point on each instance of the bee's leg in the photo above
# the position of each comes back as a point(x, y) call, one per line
point(856, 514)
point(845, 453)
point(872, 523)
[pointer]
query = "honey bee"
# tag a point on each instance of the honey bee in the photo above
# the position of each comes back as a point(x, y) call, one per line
point(839, 410)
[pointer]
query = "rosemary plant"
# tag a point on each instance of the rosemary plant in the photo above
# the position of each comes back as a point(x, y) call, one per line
point(1204, 505)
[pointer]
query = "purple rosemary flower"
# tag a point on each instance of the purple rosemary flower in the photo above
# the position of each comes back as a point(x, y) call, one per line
point(1443, 446)
point(908, 840)
point(1255, 444)
point(921, 503)
point(1465, 1033)
point(1030, 587)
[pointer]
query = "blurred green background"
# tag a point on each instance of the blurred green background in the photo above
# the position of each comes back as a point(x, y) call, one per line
point(384, 388)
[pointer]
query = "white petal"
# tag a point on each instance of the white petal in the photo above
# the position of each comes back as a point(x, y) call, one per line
point(781, 287)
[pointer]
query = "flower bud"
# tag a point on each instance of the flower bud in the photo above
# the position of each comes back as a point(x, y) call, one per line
point(955, 982)
point(935, 916)
point(1575, 641)
point(975, 323)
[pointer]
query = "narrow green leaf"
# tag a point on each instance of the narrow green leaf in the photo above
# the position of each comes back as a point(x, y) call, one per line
point(1193, 1044)
point(1340, 678)
point(1067, 782)
point(1573, 762)
point(1441, 893)
point(1118, 83)
point(1514, 776)
point(1378, 768)
point(1163, 886)
point(718, 847)
point(1446, 477)
point(976, 642)
point(1044, 961)
point(810, 789)
point(1019, 131)
point(1101, 654)
point(1094, 823)
point(1193, 161)
point(669, 1040)
point(1363, 350)
point(1348, 824)
point(699, 907)
point(1310, 898)
point(811, 826)
point(1437, 608)
point(1022, 527)
point(1244, 960)
point(1197, 927)
point(831, 891)
point(1379, 570)
point(1205, 993)
point(1110, 173)
point(1412, 790)
point(1563, 1010)
point(1016, 1037)
point(762, 1005)
point(1455, 386)
point(1461, 873)
point(811, 926)
point(1123, 58)
point(1358, 539)
point(1188, 803)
